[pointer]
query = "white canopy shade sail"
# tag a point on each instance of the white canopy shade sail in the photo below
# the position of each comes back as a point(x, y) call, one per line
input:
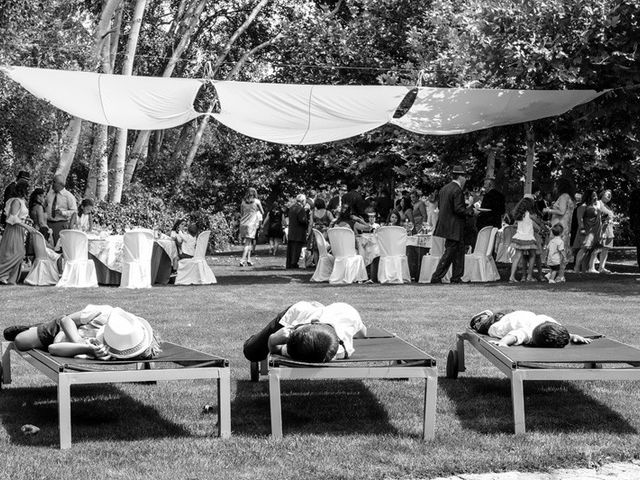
point(285, 113)
point(305, 114)
point(449, 111)
point(137, 103)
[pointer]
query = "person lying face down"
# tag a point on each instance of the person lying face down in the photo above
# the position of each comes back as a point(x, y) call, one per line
point(523, 328)
point(98, 331)
point(308, 332)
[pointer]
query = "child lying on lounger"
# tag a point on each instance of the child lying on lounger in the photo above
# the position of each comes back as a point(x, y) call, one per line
point(308, 332)
point(523, 328)
point(97, 331)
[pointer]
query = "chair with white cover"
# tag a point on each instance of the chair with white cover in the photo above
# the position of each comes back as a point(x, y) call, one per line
point(393, 267)
point(325, 260)
point(195, 271)
point(348, 266)
point(430, 261)
point(479, 266)
point(44, 270)
point(79, 270)
point(504, 252)
point(136, 263)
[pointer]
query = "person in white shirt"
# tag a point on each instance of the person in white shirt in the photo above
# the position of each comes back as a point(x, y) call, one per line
point(522, 327)
point(61, 205)
point(308, 332)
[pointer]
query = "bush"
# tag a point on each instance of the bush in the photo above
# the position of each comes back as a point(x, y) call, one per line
point(140, 208)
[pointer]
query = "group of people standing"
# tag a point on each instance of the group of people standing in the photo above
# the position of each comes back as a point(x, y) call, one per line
point(37, 213)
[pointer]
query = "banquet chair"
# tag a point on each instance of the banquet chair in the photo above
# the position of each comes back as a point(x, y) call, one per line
point(430, 261)
point(44, 270)
point(348, 266)
point(136, 263)
point(195, 271)
point(325, 261)
point(479, 266)
point(79, 270)
point(504, 252)
point(393, 267)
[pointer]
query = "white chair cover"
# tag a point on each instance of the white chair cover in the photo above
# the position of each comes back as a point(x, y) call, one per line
point(79, 270)
point(393, 267)
point(430, 261)
point(479, 266)
point(136, 262)
point(195, 271)
point(504, 254)
point(44, 270)
point(348, 266)
point(325, 261)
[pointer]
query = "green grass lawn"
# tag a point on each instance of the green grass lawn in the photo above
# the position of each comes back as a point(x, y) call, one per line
point(348, 429)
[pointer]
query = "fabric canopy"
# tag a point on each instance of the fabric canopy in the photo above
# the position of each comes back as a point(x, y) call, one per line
point(305, 114)
point(448, 111)
point(137, 103)
point(289, 114)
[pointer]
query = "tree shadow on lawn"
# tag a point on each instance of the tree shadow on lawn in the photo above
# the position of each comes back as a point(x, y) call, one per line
point(344, 407)
point(97, 413)
point(484, 404)
point(265, 276)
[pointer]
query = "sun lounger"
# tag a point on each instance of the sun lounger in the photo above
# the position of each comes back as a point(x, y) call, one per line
point(603, 359)
point(174, 363)
point(380, 355)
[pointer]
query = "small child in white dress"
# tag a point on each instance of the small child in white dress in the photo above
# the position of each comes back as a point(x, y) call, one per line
point(524, 240)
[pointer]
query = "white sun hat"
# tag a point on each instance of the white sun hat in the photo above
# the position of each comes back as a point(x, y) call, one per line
point(125, 335)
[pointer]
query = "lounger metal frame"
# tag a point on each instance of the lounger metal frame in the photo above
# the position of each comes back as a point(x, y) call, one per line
point(282, 368)
point(518, 372)
point(65, 375)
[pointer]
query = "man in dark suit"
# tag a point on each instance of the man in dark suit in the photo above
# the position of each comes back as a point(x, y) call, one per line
point(298, 223)
point(450, 226)
point(494, 202)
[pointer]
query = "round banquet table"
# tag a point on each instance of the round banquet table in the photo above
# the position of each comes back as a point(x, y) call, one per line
point(417, 247)
point(107, 256)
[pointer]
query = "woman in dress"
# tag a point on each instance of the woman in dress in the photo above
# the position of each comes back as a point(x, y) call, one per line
point(394, 219)
point(562, 212)
point(37, 213)
point(590, 231)
point(418, 211)
point(12, 245)
point(274, 228)
point(251, 213)
point(607, 230)
point(321, 219)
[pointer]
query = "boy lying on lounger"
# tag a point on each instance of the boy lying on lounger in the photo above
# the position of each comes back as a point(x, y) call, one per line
point(97, 331)
point(308, 332)
point(523, 328)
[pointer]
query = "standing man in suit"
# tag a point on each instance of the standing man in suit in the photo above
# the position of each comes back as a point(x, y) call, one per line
point(298, 223)
point(450, 226)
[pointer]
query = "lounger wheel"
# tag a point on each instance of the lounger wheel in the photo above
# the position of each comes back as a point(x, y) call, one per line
point(452, 364)
point(255, 371)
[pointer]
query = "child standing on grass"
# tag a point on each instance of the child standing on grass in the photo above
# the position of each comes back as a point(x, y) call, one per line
point(556, 256)
point(524, 241)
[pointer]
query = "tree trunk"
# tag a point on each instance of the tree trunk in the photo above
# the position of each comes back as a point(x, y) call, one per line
point(120, 149)
point(68, 146)
point(98, 181)
point(141, 147)
point(531, 156)
point(491, 163)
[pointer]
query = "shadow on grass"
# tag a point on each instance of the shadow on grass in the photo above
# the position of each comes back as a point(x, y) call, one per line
point(344, 407)
point(97, 413)
point(484, 404)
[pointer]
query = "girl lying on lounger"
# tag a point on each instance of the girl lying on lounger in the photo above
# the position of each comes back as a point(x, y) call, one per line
point(308, 332)
point(97, 331)
point(523, 328)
